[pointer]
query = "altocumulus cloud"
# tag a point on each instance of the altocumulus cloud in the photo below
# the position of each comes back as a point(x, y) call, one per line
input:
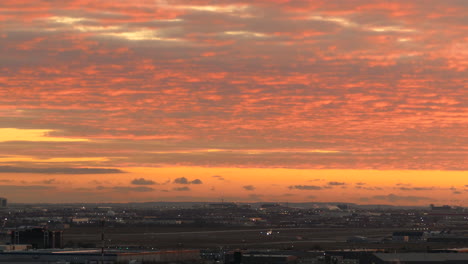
point(133, 189)
point(10, 188)
point(249, 187)
point(143, 181)
point(181, 189)
point(183, 180)
point(305, 187)
point(334, 183)
point(11, 169)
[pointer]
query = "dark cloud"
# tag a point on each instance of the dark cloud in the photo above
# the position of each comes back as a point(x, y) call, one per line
point(12, 188)
point(249, 187)
point(181, 189)
point(11, 169)
point(142, 181)
point(305, 187)
point(368, 188)
point(416, 188)
point(196, 181)
point(49, 181)
point(396, 198)
point(183, 180)
point(218, 177)
point(133, 189)
point(334, 183)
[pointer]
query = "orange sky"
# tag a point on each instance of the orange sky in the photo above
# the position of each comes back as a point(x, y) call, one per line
point(291, 100)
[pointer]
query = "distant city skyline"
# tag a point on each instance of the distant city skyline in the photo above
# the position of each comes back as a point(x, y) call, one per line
point(292, 100)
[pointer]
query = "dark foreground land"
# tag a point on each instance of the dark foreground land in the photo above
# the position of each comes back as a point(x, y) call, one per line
point(278, 238)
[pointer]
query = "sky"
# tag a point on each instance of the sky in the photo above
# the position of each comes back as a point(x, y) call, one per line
point(242, 101)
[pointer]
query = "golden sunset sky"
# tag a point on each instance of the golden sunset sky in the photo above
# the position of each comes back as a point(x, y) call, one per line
point(246, 101)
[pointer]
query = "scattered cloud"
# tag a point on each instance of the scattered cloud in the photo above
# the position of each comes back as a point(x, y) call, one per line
point(196, 181)
point(143, 181)
point(416, 188)
point(181, 189)
point(305, 187)
point(5, 180)
point(334, 183)
point(49, 181)
point(133, 189)
point(183, 180)
point(12, 169)
point(25, 188)
point(249, 187)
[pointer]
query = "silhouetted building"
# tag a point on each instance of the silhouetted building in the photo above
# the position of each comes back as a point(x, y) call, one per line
point(37, 237)
point(408, 236)
point(95, 257)
point(3, 202)
point(259, 258)
point(393, 258)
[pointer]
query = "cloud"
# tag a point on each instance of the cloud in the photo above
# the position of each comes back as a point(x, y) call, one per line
point(368, 188)
point(416, 188)
point(12, 169)
point(181, 189)
point(183, 180)
point(218, 177)
point(396, 198)
point(196, 181)
point(249, 187)
point(247, 98)
point(19, 188)
point(133, 189)
point(305, 187)
point(334, 183)
point(49, 181)
point(143, 181)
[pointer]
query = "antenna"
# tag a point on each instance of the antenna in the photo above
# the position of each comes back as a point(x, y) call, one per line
point(103, 221)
